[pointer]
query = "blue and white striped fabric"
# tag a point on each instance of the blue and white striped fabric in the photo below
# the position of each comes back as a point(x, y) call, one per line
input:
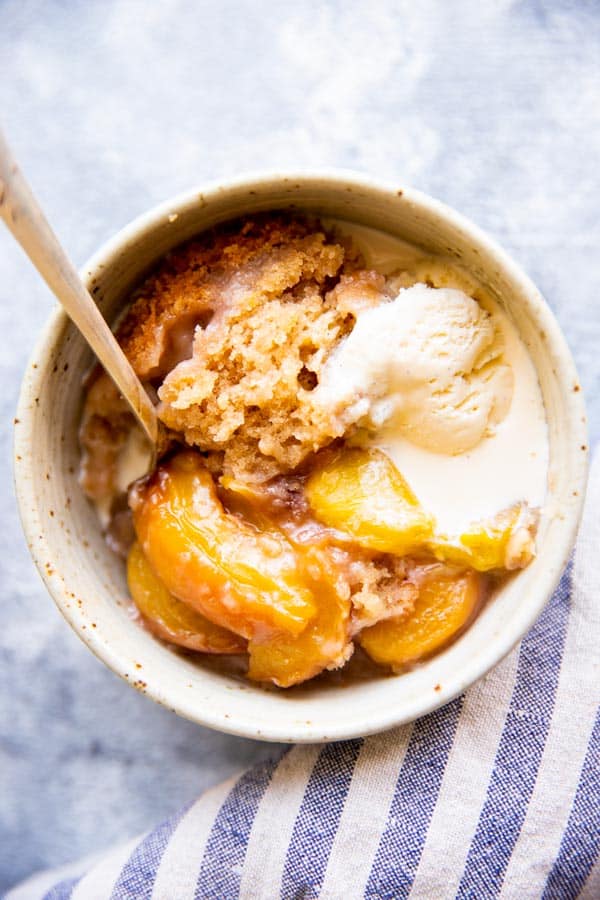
point(495, 795)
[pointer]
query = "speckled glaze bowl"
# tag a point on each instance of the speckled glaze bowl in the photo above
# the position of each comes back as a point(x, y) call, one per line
point(87, 581)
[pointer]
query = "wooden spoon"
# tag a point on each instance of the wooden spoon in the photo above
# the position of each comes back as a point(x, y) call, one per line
point(27, 223)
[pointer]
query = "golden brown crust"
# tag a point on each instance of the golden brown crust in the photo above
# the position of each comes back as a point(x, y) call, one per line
point(279, 307)
point(261, 303)
point(268, 297)
point(195, 280)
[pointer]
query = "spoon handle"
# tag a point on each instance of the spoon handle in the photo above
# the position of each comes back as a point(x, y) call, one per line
point(24, 218)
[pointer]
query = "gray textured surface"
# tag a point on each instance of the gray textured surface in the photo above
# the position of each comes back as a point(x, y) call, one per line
point(491, 105)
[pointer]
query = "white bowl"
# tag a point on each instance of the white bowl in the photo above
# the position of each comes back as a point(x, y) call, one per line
point(87, 581)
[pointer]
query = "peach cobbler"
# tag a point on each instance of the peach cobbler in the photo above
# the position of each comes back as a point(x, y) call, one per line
point(346, 463)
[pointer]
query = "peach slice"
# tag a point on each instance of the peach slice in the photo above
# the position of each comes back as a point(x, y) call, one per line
point(240, 578)
point(361, 493)
point(286, 660)
point(507, 541)
point(447, 601)
point(170, 618)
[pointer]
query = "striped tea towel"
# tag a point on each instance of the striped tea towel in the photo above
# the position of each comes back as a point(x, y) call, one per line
point(495, 795)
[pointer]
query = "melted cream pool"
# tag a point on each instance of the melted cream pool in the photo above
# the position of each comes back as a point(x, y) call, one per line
point(508, 466)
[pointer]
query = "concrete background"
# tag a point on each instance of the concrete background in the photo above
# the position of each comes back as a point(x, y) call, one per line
point(490, 105)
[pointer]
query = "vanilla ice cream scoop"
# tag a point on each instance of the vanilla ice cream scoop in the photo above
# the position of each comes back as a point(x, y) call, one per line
point(428, 364)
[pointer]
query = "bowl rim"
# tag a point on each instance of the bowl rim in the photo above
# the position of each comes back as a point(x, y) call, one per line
point(32, 521)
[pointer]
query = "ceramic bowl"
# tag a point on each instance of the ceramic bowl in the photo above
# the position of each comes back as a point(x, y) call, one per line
point(87, 581)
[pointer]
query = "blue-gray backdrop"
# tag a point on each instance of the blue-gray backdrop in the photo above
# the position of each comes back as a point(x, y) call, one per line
point(491, 105)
